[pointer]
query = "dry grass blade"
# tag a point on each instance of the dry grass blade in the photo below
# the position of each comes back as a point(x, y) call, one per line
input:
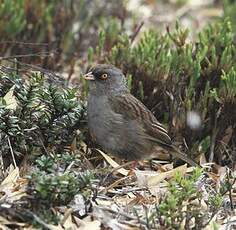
point(115, 165)
point(150, 179)
point(13, 187)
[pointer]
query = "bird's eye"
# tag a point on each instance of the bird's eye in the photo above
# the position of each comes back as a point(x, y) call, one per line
point(104, 76)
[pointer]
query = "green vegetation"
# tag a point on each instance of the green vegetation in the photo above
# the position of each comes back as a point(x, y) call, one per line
point(37, 117)
point(55, 183)
point(178, 209)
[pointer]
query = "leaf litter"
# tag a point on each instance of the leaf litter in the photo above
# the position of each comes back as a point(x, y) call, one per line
point(128, 201)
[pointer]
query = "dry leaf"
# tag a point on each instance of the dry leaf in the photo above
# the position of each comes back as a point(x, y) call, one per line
point(113, 163)
point(69, 224)
point(149, 178)
point(4, 222)
point(11, 178)
point(203, 159)
point(88, 224)
point(10, 99)
point(13, 187)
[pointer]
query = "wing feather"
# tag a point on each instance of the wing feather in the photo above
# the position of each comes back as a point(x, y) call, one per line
point(132, 109)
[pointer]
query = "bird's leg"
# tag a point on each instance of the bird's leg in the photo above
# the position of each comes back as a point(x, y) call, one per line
point(151, 165)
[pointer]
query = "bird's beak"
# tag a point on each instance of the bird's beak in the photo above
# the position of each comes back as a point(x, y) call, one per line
point(89, 76)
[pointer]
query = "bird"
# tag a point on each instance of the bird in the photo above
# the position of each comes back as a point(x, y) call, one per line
point(120, 123)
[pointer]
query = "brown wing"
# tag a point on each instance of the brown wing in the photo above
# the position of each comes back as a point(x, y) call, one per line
point(132, 109)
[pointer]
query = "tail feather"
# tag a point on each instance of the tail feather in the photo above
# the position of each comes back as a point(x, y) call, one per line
point(175, 152)
point(178, 154)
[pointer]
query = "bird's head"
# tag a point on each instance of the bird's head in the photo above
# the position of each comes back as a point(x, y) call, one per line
point(104, 79)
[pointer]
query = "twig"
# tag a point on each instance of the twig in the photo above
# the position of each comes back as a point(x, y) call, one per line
point(114, 184)
point(120, 213)
point(34, 67)
point(38, 220)
point(128, 190)
point(136, 32)
point(24, 43)
point(213, 138)
point(44, 147)
point(69, 166)
point(40, 54)
point(114, 170)
point(230, 190)
point(232, 184)
point(212, 147)
point(1, 166)
point(12, 153)
point(122, 166)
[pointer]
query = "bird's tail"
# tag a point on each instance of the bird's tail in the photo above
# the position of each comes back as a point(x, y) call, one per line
point(178, 154)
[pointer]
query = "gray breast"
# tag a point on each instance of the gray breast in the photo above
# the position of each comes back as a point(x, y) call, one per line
point(113, 133)
point(102, 122)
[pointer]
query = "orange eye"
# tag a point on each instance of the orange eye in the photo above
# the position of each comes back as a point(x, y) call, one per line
point(104, 76)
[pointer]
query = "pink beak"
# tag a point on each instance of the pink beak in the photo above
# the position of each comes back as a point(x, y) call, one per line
point(89, 76)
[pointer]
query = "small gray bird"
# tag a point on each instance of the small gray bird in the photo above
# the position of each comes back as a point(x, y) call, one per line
point(120, 123)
